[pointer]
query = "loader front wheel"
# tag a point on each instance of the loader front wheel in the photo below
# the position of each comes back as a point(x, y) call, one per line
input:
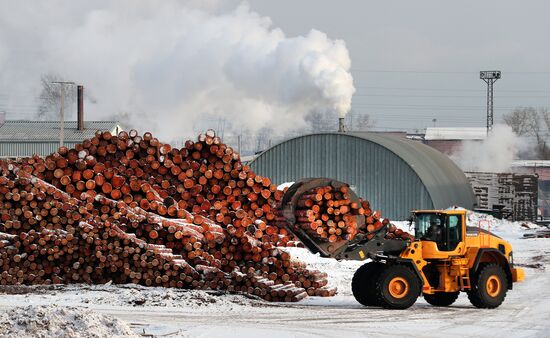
point(489, 287)
point(397, 287)
point(363, 283)
point(441, 298)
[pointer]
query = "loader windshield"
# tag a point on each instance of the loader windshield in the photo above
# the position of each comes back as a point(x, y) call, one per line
point(440, 228)
point(429, 226)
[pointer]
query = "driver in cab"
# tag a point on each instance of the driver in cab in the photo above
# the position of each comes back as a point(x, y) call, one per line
point(435, 232)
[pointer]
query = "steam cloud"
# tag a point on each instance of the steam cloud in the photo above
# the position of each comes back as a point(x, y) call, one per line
point(494, 154)
point(166, 64)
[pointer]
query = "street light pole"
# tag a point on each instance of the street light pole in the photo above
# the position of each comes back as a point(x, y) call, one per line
point(62, 118)
point(62, 111)
point(490, 77)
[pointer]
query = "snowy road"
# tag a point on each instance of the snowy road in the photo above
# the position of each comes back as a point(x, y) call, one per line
point(525, 312)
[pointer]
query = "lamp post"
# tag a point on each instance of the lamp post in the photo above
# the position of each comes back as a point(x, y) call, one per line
point(489, 77)
point(62, 110)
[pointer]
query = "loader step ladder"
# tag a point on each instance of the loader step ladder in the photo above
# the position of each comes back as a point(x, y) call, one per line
point(464, 279)
point(464, 272)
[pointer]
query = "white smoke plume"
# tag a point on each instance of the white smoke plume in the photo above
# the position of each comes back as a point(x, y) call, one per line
point(167, 64)
point(494, 154)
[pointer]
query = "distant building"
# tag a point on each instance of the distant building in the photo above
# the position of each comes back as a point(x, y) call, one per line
point(399, 134)
point(25, 138)
point(539, 167)
point(542, 169)
point(449, 140)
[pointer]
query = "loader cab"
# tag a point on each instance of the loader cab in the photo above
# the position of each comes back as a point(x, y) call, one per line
point(445, 229)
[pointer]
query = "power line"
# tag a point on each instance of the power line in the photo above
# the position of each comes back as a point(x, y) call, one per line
point(437, 71)
point(452, 89)
point(427, 106)
point(457, 96)
point(409, 71)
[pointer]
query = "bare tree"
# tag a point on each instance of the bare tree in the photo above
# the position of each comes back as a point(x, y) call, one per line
point(529, 121)
point(519, 120)
point(264, 139)
point(50, 98)
point(322, 121)
point(535, 129)
point(360, 122)
point(328, 121)
point(544, 113)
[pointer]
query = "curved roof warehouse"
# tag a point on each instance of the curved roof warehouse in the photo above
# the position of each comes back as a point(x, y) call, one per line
point(396, 175)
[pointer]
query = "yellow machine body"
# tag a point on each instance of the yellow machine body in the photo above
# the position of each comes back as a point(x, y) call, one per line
point(475, 247)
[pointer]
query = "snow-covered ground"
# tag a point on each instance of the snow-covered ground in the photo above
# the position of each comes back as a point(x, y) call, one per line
point(178, 313)
point(61, 321)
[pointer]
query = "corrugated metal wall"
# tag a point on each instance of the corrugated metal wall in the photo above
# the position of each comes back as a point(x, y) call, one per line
point(24, 149)
point(376, 173)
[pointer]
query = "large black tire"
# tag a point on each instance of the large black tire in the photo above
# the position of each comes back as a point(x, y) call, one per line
point(363, 283)
point(397, 287)
point(441, 298)
point(489, 287)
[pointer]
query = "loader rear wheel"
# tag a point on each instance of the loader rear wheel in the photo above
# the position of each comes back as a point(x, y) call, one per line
point(363, 283)
point(441, 298)
point(397, 287)
point(489, 287)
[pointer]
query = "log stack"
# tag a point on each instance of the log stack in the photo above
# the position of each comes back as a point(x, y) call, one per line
point(129, 209)
point(328, 215)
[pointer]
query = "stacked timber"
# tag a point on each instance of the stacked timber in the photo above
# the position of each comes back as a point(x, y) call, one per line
point(328, 214)
point(129, 209)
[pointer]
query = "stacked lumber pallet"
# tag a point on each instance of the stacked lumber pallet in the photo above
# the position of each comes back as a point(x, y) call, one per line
point(129, 209)
point(329, 214)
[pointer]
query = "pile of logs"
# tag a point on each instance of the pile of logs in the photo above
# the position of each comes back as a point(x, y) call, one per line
point(329, 214)
point(395, 233)
point(129, 209)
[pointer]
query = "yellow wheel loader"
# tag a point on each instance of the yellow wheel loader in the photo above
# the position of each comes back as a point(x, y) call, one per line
point(447, 256)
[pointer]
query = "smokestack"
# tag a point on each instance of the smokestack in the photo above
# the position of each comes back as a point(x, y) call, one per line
point(341, 127)
point(80, 108)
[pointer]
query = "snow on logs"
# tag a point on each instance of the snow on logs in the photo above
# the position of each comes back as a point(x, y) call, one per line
point(129, 209)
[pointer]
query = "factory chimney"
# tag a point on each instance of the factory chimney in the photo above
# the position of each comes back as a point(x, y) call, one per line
point(341, 127)
point(80, 108)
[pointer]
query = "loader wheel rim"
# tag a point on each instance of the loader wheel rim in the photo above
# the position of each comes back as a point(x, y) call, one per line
point(493, 286)
point(398, 287)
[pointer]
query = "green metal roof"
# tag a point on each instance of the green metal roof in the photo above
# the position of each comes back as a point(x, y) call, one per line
point(395, 174)
point(445, 181)
point(36, 131)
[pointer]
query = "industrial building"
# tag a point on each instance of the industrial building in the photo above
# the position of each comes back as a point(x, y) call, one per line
point(449, 140)
point(395, 174)
point(24, 138)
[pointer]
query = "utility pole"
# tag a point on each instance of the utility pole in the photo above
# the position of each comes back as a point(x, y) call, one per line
point(239, 143)
point(490, 78)
point(62, 111)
